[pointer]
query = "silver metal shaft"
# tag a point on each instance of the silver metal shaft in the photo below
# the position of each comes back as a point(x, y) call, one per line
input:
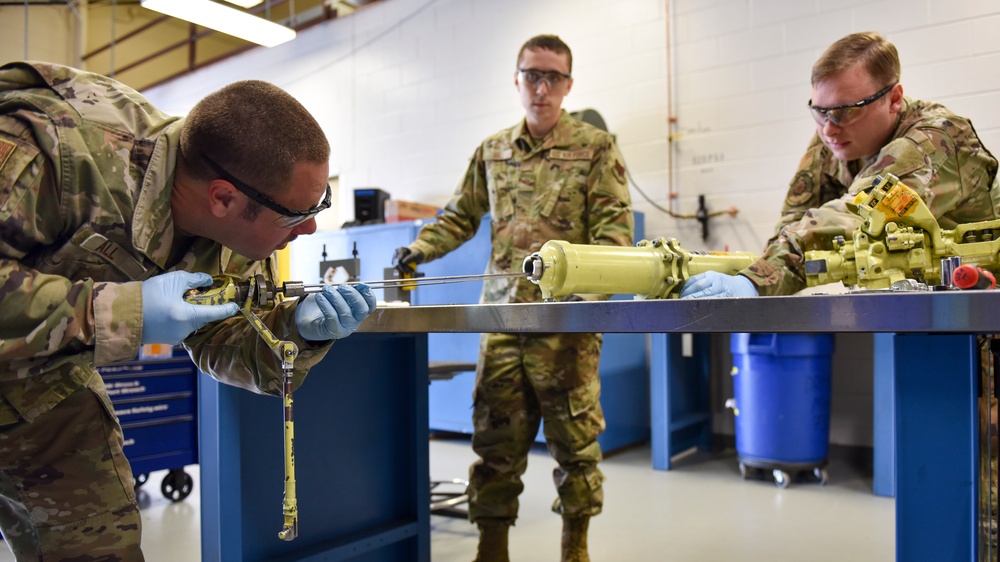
point(394, 283)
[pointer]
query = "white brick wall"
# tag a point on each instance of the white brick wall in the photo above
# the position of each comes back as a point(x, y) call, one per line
point(741, 80)
point(406, 88)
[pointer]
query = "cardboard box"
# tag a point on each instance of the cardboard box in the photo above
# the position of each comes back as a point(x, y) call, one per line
point(399, 211)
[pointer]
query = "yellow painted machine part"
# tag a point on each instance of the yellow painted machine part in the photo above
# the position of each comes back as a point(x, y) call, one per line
point(652, 269)
point(284, 265)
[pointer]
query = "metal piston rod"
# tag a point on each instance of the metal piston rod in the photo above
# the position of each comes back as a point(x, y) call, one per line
point(410, 282)
point(297, 289)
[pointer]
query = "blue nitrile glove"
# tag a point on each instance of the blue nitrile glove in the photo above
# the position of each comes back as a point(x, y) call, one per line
point(715, 284)
point(166, 318)
point(335, 312)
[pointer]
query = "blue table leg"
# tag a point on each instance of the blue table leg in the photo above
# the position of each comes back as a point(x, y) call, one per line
point(937, 445)
point(361, 457)
point(884, 418)
point(680, 413)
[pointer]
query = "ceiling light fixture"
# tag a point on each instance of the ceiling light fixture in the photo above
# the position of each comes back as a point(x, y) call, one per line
point(245, 3)
point(225, 19)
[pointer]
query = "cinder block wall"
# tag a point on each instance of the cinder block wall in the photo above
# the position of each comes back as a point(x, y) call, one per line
point(405, 89)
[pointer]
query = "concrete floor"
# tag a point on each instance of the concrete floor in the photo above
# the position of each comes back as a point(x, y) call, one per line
point(700, 511)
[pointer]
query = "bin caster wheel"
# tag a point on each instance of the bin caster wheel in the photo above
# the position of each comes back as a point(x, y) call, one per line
point(176, 485)
point(140, 479)
point(781, 478)
point(821, 475)
point(743, 471)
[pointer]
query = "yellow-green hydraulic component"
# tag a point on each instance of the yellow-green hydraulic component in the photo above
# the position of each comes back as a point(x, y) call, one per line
point(653, 269)
point(900, 239)
point(259, 292)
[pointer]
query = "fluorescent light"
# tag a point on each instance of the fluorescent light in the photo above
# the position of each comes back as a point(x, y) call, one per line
point(225, 19)
point(245, 3)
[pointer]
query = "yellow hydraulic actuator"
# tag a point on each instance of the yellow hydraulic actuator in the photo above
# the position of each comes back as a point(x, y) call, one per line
point(653, 269)
point(900, 239)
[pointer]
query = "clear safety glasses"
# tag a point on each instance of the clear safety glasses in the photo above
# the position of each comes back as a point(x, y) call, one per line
point(844, 115)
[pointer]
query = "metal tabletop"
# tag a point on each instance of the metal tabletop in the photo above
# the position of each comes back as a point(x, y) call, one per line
point(967, 312)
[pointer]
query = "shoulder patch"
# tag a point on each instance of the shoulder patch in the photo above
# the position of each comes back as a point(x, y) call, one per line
point(902, 156)
point(584, 154)
point(801, 190)
point(6, 149)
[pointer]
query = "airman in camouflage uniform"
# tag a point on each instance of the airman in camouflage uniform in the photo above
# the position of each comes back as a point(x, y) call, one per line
point(930, 149)
point(93, 192)
point(933, 151)
point(565, 181)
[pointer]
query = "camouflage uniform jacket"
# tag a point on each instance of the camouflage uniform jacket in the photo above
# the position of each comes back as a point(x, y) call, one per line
point(86, 169)
point(932, 150)
point(568, 186)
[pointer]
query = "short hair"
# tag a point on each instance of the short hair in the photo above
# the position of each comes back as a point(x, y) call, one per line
point(255, 131)
point(549, 43)
point(878, 55)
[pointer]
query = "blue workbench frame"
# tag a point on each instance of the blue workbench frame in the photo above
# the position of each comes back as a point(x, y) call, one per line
point(367, 410)
point(926, 436)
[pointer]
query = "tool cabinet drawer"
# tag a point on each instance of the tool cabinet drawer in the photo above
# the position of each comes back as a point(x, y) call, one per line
point(160, 406)
point(153, 437)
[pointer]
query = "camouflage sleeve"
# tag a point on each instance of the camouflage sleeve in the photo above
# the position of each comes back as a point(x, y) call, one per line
point(944, 166)
point(460, 218)
point(804, 190)
point(232, 352)
point(46, 314)
point(609, 203)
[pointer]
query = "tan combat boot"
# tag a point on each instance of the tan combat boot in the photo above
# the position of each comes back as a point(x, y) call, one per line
point(492, 542)
point(574, 539)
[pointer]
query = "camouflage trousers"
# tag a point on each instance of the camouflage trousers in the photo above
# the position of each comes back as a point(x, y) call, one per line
point(521, 381)
point(66, 489)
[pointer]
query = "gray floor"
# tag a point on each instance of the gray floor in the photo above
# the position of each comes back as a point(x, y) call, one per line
point(700, 511)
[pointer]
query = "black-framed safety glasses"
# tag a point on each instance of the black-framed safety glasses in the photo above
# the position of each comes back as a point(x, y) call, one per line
point(289, 217)
point(533, 76)
point(844, 115)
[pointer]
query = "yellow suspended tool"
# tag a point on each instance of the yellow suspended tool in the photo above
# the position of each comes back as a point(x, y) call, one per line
point(260, 293)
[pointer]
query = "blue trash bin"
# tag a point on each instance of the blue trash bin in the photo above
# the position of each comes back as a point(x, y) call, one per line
point(781, 388)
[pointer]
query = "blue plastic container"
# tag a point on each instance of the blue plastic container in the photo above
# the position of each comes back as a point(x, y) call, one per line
point(781, 386)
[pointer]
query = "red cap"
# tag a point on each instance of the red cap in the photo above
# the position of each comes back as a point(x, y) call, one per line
point(973, 277)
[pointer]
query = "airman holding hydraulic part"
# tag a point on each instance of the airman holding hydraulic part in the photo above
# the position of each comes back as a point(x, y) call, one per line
point(865, 127)
point(109, 212)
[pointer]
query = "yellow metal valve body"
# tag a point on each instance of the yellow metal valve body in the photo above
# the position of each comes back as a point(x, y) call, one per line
point(652, 269)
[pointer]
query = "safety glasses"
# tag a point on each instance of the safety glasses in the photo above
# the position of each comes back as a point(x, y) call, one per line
point(532, 77)
point(289, 217)
point(844, 115)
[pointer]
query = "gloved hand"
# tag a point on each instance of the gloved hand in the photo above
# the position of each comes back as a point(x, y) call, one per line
point(333, 313)
point(715, 284)
point(166, 318)
point(404, 256)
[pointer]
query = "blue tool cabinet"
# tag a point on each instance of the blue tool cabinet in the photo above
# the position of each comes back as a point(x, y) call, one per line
point(624, 366)
point(156, 402)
